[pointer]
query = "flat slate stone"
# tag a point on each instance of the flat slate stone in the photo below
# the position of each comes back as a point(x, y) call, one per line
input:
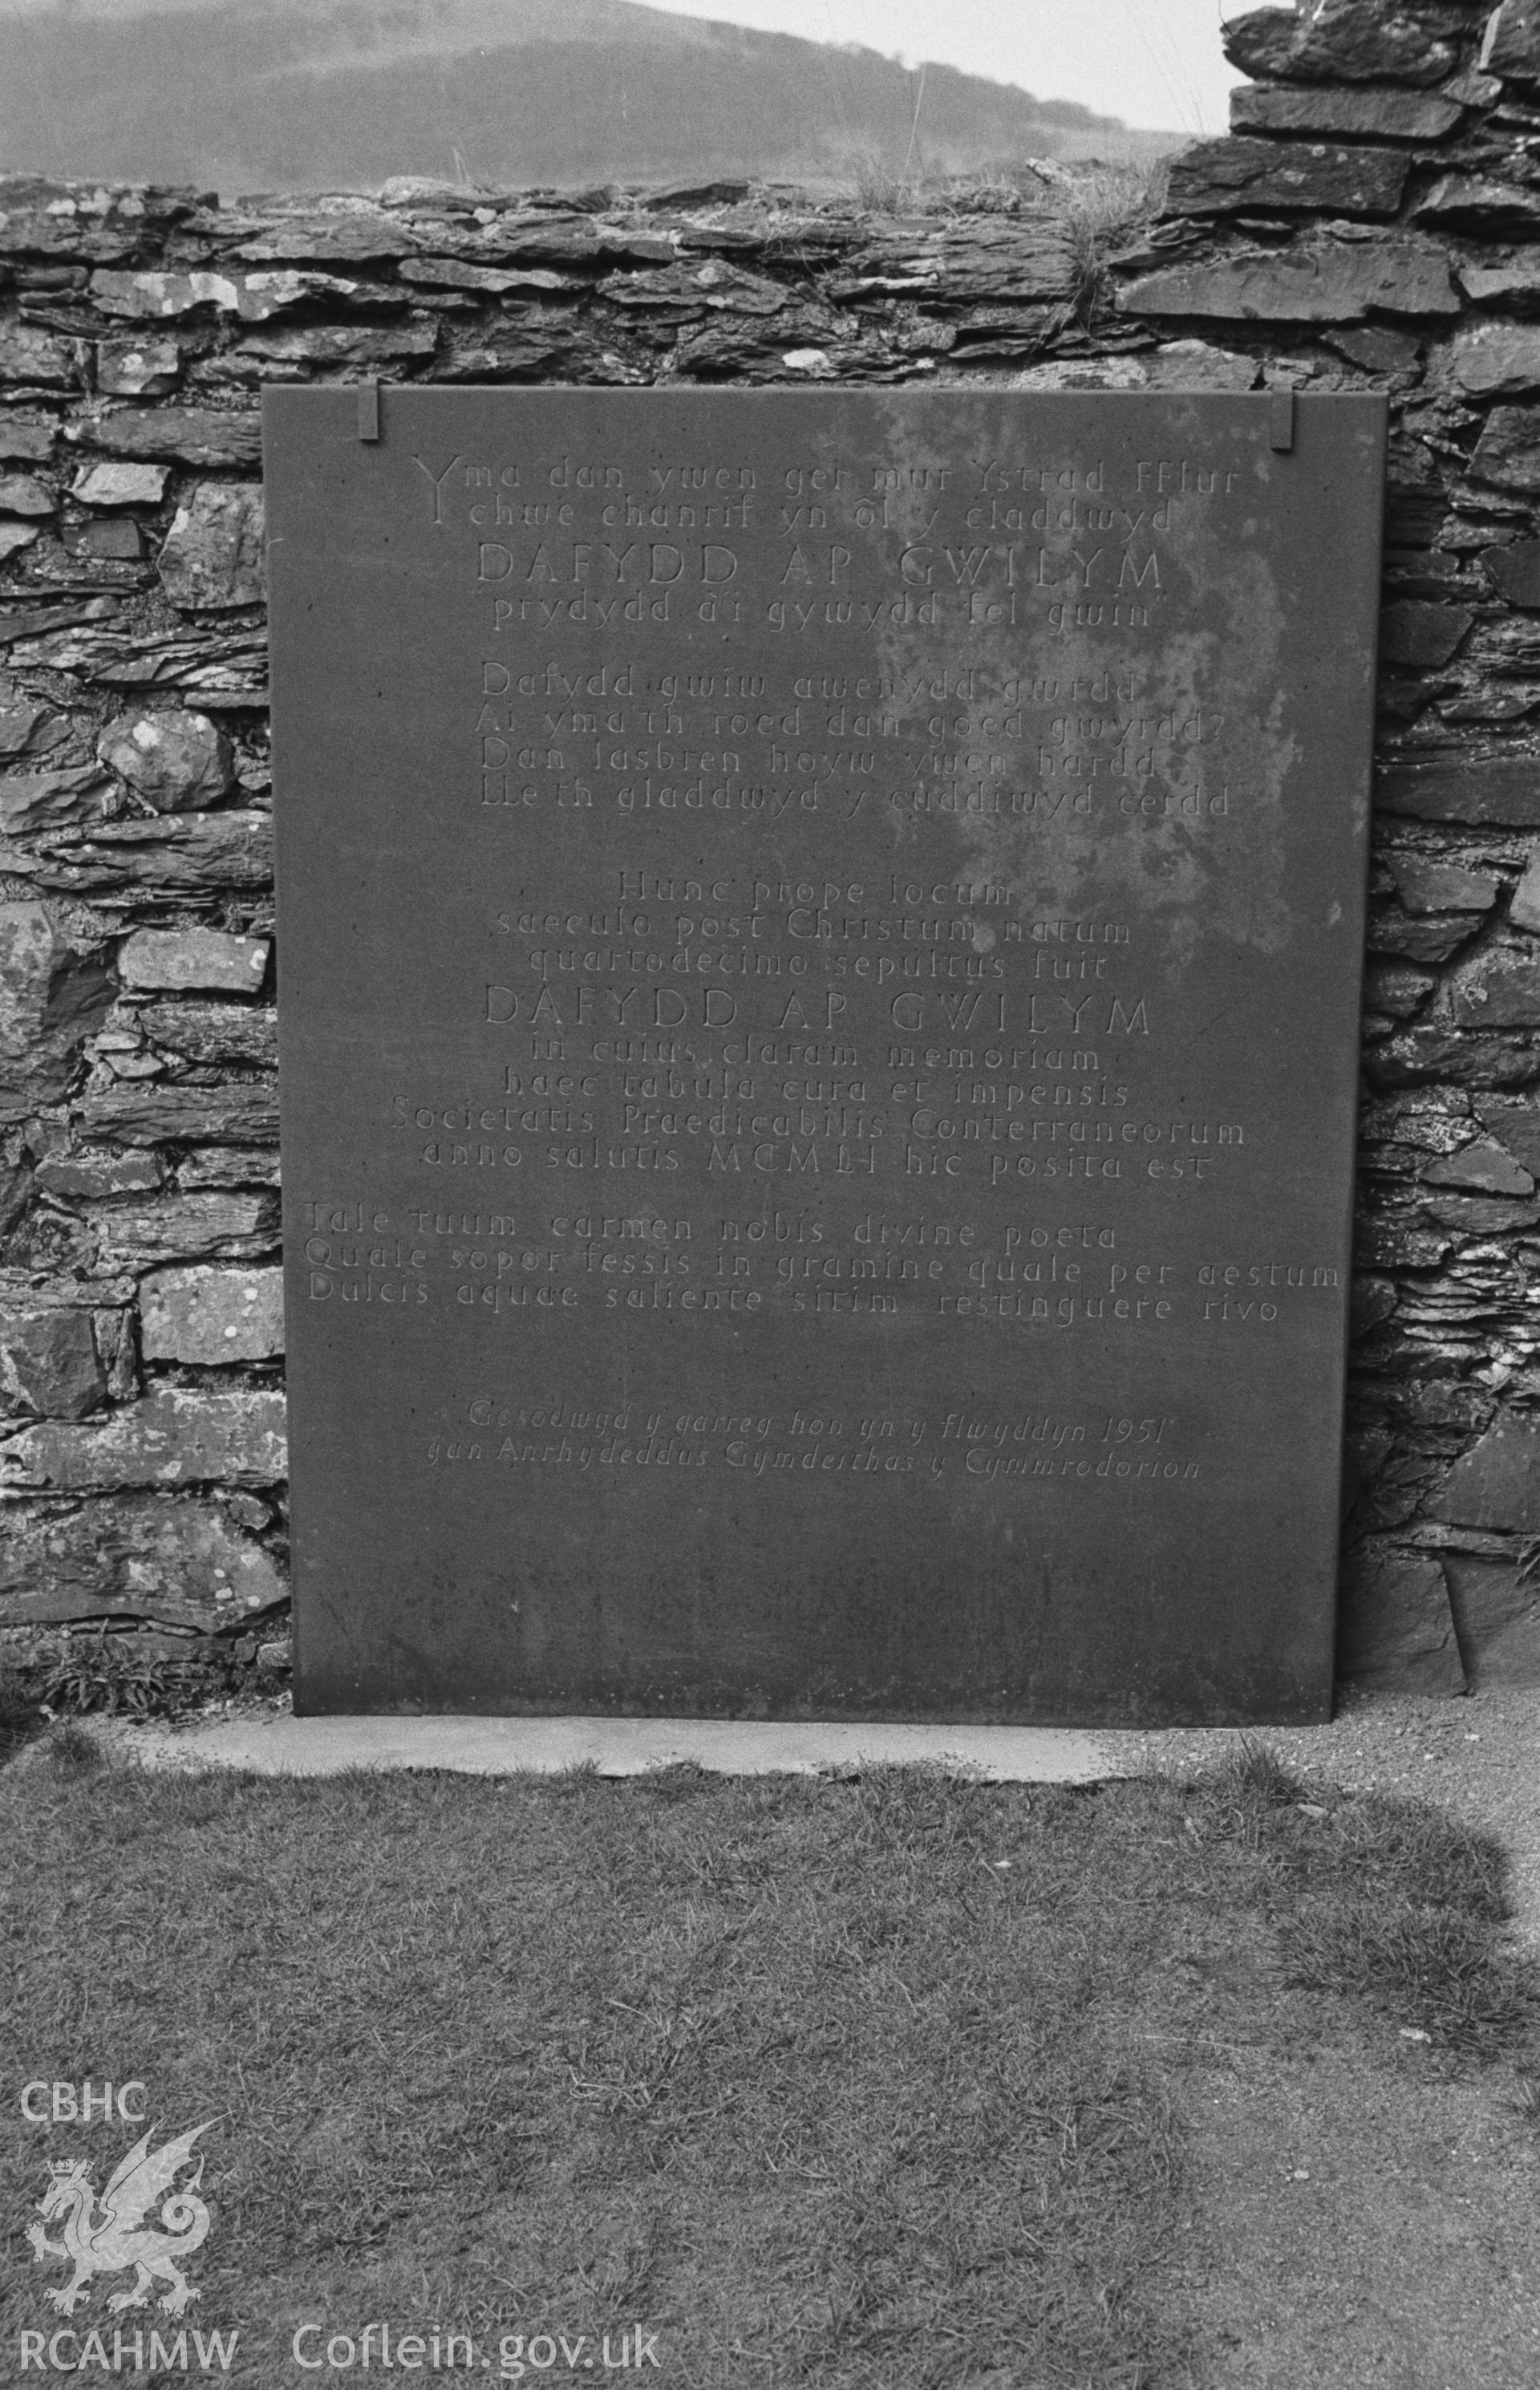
point(22, 440)
point(169, 1438)
point(1335, 284)
point(1508, 453)
point(91, 1176)
point(1483, 1168)
point(121, 485)
point(255, 298)
point(1497, 360)
point(1219, 177)
point(1397, 1630)
point(339, 345)
point(1197, 365)
point(1478, 1216)
point(1481, 204)
point(1501, 788)
point(1496, 1613)
point(113, 536)
point(1496, 1483)
point(1430, 940)
point(53, 997)
point(1501, 992)
point(214, 1032)
point(209, 1316)
point(193, 959)
point(1524, 911)
point(1425, 886)
point(76, 221)
point(188, 1226)
point(146, 1114)
point(176, 1558)
point(1439, 1050)
point(456, 274)
point(25, 722)
point(23, 494)
point(695, 193)
point(974, 259)
point(357, 236)
point(243, 1165)
point(1337, 43)
point(820, 1044)
point(231, 848)
point(173, 760)
point(1511, 47)
point(1514, 1121)
point(1412, 631)
point(48, 1362)
point(32, 801)
point(1514, 572)
point(1517, 282)
point(137, 368)
point(28, 355)
point(186, 435)
point(212, 556)
point(1359, 112)
point(1396, 989)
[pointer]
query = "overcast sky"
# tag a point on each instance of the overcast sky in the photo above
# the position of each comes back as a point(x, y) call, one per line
point(1154, 62)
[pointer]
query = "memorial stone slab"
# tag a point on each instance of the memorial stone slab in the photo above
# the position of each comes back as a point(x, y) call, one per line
point(821, 936)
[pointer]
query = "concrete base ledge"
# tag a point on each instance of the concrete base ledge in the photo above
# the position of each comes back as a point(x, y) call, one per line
point(280, 1745)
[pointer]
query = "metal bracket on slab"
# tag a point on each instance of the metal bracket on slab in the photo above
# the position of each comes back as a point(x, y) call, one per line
point(1280, 420)
point(368, 411)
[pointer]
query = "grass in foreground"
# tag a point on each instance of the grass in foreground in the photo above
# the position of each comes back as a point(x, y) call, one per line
point(870, 2083)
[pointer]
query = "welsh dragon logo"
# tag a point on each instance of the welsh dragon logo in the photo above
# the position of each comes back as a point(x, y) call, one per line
point(109, 2237)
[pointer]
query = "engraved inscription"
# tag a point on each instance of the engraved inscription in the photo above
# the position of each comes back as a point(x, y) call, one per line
point(821, 944)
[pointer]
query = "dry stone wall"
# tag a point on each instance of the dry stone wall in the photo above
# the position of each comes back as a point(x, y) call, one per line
point(1372, 222)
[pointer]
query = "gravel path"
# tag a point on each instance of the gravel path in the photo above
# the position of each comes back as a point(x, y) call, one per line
point(1479, 1757)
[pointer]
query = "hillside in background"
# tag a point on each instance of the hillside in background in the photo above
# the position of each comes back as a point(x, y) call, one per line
point(267, 95)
